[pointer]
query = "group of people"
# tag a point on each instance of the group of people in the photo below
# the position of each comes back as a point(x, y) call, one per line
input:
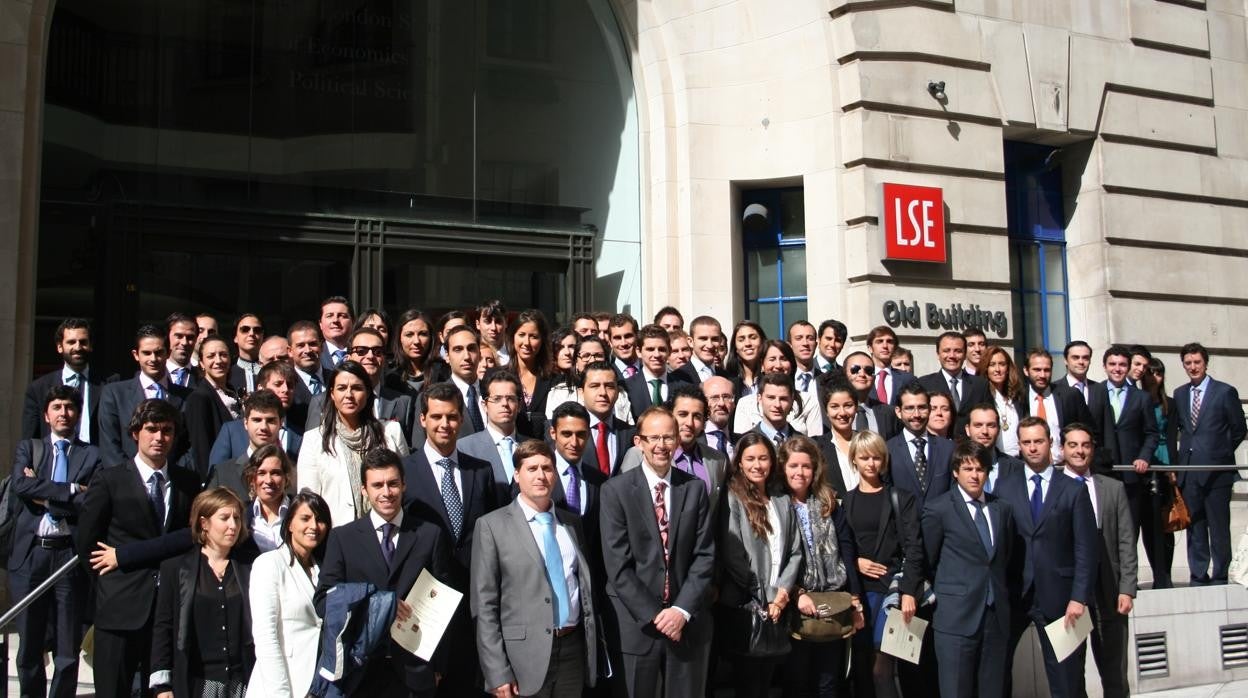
point(627, 510)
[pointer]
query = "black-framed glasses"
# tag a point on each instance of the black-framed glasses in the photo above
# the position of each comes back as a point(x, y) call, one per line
point(251, 329)
point(859, 368)
point(365, 351)
point(595, 356)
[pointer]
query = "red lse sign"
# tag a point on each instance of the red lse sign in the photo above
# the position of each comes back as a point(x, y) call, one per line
point(914, 223)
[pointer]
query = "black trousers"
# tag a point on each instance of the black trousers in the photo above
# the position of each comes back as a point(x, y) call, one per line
point(118, 655)
point(59, 610)
point(1109, 649)
point(1146, 498)
point(815, 670)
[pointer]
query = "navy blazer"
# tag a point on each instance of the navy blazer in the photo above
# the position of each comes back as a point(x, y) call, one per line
point(1218, 432)
point(204, 416)
point(423, 500)
point(900, 380)
point(83, 461)
point(33, 425)
point(1057, 555)
point(233, 441)
point(117, 404)
point(1133, 435)
point(902, 475)
point(962, 571)
point(973, 390)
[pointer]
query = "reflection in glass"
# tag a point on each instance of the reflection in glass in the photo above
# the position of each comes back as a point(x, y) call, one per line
point(793, 264)
point(761, 272)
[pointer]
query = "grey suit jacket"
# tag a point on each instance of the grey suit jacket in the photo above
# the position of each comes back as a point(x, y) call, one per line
point(1119, 564)
point(230, 474)
point(716, 469)
point(743, 560)
point(514, 638)
point(481, 445)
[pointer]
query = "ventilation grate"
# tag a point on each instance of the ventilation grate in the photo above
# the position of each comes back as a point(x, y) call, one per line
point(1151, 656)
point(1234, 645)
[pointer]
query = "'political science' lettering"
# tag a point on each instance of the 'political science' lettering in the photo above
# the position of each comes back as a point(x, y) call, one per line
point(956, 317)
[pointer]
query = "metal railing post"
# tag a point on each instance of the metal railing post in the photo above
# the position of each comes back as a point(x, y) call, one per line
point(22, 605)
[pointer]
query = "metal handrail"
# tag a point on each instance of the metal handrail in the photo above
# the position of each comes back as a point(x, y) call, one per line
point(1182, 468)
point(35, 593)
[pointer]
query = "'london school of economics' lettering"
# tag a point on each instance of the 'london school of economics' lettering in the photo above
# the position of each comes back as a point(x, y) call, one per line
point(914, 223)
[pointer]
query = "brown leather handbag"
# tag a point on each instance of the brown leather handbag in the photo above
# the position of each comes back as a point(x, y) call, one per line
point(1177, 517)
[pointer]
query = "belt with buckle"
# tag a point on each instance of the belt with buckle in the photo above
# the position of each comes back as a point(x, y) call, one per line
point(53, 542)
point(564, 632)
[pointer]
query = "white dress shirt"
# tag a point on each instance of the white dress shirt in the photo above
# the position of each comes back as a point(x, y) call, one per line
point(268, 536)
point(375, 519)
point(145, 473)
point(463, 390)
point(775, 543)
point(148, 385)
point(652, 480)
point(567, 551)
point(970, 507)
point(612, 447)
point(307, 379)
point(84, 387)
point(910, 436)
point(1080, 385)
point(1007, 438)
point(702, 370)
point(1050, 416)
point(1090, 483)
point(1046, 479)
point(647, 376)
point(849, 474)
point(432, 454)
point(711, 430)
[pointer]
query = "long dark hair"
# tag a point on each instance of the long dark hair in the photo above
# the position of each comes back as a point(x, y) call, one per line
point(374, 433)
point(754, 499)
point(1155, 383)
point(733, 364)
point(320, 510)
point(396, 343)
point(542, 360)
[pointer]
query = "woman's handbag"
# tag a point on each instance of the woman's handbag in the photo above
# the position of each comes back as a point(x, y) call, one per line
point(1177, 518)
point(834, 619)
point(748, 630)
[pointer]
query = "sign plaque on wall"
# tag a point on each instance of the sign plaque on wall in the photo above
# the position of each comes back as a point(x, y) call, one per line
point(914, 223)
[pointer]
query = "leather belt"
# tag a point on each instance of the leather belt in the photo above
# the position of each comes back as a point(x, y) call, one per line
point(54, 542)
point(564, 632)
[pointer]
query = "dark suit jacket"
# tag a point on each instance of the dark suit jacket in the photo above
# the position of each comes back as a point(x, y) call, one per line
point(354, 555)
point(117, 403)
point(1218, 432)
point(230, 474)
point(962, 571)
point(1134, 435)
point(83, 461)
point(423, 501)
point(973, 389)
point(33, 425)
point(638, 391)
point(634, 559)
point(689, 374)
point(902, 474)
point(832, 461)
point(1057, 555)
point(1069, 403)
point(205, 414)
point(116, 511)
point(233, 441)
point(900, 380)
point(623, 434)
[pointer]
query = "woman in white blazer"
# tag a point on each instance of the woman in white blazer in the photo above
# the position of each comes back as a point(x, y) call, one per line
point(284, 624)
point(329, 460)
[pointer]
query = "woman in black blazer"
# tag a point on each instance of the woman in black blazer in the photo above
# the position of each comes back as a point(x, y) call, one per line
point(840, 414)
point(211, 404)
point(201, 639)
point(528, 343)
point(889, 544)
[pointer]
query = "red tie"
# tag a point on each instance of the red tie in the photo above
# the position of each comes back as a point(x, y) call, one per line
point(604, 455)
point(880, 392)
point(660, 514)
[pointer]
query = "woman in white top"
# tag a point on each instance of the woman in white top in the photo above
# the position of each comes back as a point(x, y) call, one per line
point(268, 474)
point(805, 416)
point(1007, 390)
point(329, 460)
point(841, 410)
point(284, 624)
point(759, 556)
point(745, 357)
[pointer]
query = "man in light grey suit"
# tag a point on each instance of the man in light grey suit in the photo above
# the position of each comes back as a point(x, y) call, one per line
point(501, 393)
point(688, 405)
point(1116, 576)
point(533, 550)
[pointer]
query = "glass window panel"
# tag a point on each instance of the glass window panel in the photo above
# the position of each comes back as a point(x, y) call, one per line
point(438, 282)
point(1029, 265)
point(1032, 321)
point(1055, 268)
point(1016, 279)
point(793, 267)
point(767, 315)
point(1016, 315)
point(792, 215)
point(1056, 321)
point(794, 311)
point(763, 272)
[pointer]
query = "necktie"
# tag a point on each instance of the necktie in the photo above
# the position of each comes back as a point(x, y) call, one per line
point(957, 395)
point(660, 515)
point(920, 460)
point(656, 394)
point(805, 380)
point(450, 497)
point(387, 542)
point(630, 371)
point(74, 380)
point(179, 376)
point(880, 393)
point(554, 568)
point(1037, 498)
point(1040, 411)
point(1195, 406)
point(1083, 389)
point(1116, 403)
point(506, 447)
point(158, 391)
point(339, 355)
point(573, 493)
point(156, 495)
point(604, 454)
point(778, 438)
point(314, 384)
point(860, 422)
point(985, 537)
point(60, 471)
point(719, 441)
point(474, 412)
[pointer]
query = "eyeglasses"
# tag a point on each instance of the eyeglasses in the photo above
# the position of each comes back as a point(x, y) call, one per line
point(713, 399)
point(915, 409)
point(595, 356)
point(656, 438)
point(365, 351)
point(869, 370)
point(251, 329)
point(502, 399)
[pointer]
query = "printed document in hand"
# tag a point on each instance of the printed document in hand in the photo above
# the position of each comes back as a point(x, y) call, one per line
point(1066, 640)
point(903, 640)
point(433, 603)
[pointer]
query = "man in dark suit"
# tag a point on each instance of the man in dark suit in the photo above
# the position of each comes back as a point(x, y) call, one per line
point(335, 324)
point(964, 389)
point(1057, 553)
point(622, 336)
point(804, 343)
point(305, 354)
point(389, 549)
point(463, 354)
point(1078, 357)
point(1053, 402)
point(248, 334)
point(654, 380)
point(919, 461)
point(976, 344)
point(611, 437)
point(132, 501)
point(1211, 427)
point(497, 442)
point(389, 404)
point(968, 536)
point(775, 401)
point(704, 334)
point(182, 332)
point(450, 490)
point(261, 423)
point(73, 343)
point(889, 382)
point(832, 336)
point(50, 475)
point(577, 483)
point(119, 400)
point(275, 377)
point(872, 414)
point(1117, 572)
point(982, 426)
point(657, 544)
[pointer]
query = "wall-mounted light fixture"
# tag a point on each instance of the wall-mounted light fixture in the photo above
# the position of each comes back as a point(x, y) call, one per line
point(936, 88)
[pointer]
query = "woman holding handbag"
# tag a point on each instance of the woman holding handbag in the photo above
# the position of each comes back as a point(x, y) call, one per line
point(759, 558)
point(1153, 512)
point(829, 586)
point(889, 544)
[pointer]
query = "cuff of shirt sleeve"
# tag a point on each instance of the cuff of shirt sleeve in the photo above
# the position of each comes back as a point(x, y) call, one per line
point(160, 678)
point(683, 612)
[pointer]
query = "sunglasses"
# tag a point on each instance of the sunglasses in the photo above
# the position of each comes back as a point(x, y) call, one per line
point(869, 370)
point(251, 329)
point(365, 351)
